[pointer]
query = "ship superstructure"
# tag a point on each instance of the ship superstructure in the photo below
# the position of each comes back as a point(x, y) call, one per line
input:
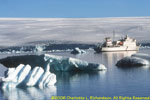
point(125, 44)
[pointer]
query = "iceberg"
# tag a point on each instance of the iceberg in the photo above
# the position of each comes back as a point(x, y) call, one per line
point(56, 63)
point(39, 48)
point(138, 59)
point(35, 75)
point(22, 75)
point(142, 55)
point(77, 51)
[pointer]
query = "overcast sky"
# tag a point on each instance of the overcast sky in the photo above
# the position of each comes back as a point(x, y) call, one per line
point(74, 8)
point(16, 31)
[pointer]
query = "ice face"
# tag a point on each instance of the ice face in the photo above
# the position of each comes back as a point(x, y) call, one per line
point(142, 55)
point(23, 75)
point(35, 75)
point(57, 63)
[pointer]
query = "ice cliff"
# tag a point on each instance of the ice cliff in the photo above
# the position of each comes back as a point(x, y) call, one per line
point(57, 63)
point(138, 59)
point(23, 75)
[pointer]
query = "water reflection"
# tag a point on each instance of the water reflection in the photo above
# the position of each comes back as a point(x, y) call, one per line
point(67, 82)
point(75, 83)
point(110, 58)
point(30, 93)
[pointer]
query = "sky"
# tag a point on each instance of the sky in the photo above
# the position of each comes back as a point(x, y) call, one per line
point(73, 8)
point(20, 31)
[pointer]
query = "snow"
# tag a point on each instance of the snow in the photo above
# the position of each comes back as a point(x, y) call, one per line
point(77, 51)
point(138, 59)
point(23, 75)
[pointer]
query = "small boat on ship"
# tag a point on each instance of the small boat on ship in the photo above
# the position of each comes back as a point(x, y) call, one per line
point(125, 44)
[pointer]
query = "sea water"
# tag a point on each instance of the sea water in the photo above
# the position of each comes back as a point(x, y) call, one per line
point(115, 81)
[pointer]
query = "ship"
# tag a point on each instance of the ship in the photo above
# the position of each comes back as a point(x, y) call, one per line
point(125, 44)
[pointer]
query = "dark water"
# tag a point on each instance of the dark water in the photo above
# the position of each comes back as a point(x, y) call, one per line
point(112, 82)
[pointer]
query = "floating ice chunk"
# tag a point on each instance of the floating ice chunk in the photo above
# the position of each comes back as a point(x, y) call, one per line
point(77, 51)
point(59, 63)
point(101, 67)
point(17, 76)
point(132, 61)
point(13, 75)
point(9, 71)
point(35, 75)
point(39, 48)
point(23, 75)
point(47, 78)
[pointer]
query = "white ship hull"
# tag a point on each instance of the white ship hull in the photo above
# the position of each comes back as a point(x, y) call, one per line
point(125, 44)
point(121, 48)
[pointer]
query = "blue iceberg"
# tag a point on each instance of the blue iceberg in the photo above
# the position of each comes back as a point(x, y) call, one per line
point(56, 63)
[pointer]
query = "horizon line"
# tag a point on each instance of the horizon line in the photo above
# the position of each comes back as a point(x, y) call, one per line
point(70, 17)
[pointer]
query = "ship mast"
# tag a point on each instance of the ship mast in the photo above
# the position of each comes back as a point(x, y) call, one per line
point(113, 35)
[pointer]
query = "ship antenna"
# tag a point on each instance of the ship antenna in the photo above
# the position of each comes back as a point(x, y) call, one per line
point(113, 35)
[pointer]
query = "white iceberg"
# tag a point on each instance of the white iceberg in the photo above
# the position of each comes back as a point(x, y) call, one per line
point(77, 51)
point(23, 75)
point(138, 59)
point(39, 48)
point(57, 63)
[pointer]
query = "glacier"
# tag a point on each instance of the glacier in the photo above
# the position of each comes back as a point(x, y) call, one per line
point(138, 59)
point(77, 51)
point(23, 75)
point(56, 63)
